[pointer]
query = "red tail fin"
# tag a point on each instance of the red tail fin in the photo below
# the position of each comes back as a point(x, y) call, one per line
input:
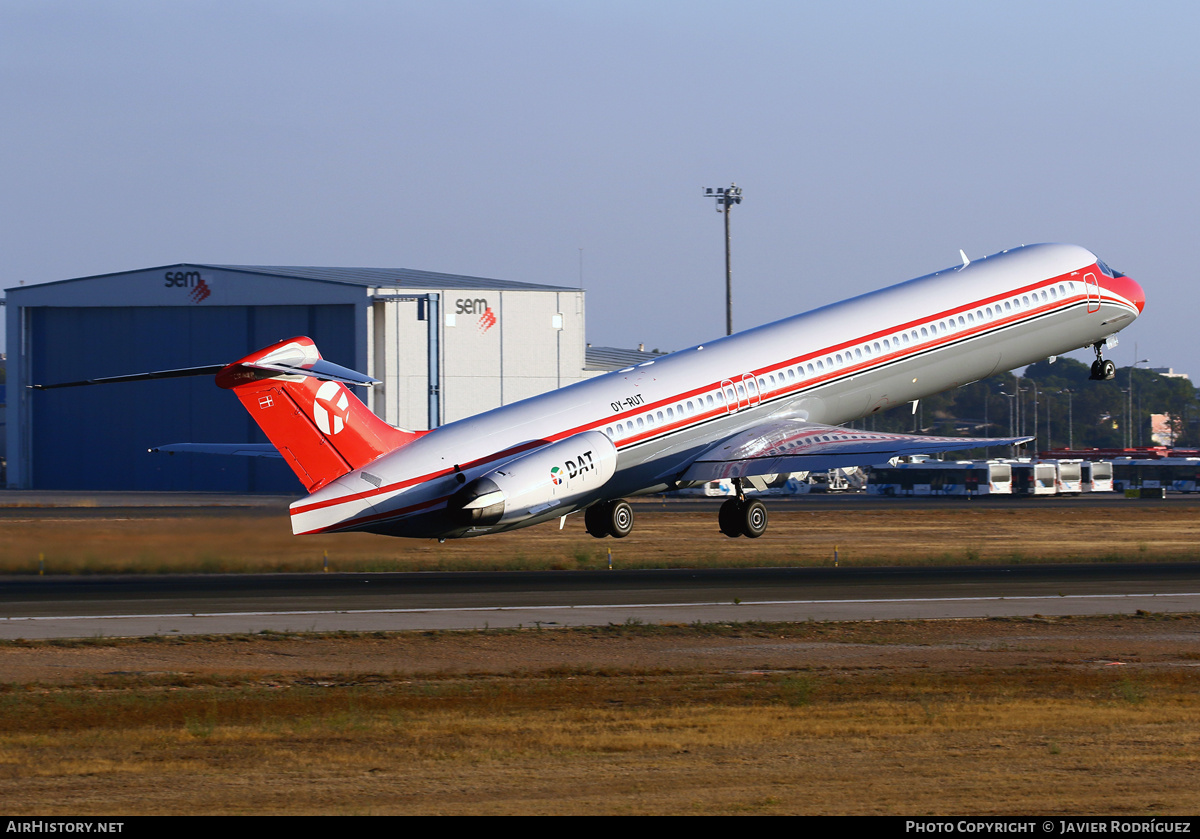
point(322, 429)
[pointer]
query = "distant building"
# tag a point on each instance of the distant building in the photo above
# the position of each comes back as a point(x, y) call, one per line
point(3, 417)
point(606, 359)
point(493, 342)
point(1169, 372)
point(1162, 429)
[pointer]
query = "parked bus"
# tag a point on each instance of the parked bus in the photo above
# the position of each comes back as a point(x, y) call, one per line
point(1097, 476)
point(1034, 478)
point(1178, 474)
point(1068, 477)
point(936, 477)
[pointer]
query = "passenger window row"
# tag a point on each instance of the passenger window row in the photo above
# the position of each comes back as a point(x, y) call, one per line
point(865, 351)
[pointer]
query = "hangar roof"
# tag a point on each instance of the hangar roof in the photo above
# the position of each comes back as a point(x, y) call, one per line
point(614, 358)
point(366, 277)
point(397, 277)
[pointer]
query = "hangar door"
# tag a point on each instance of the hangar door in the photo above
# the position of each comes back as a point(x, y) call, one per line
point(96, 438)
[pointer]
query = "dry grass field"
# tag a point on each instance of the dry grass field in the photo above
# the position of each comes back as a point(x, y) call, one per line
point(863, 534)
point(1080, 716)
point(1064, 717)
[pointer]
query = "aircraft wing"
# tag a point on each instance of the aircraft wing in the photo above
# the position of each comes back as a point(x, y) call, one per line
point(796, 446)
point(243, 449)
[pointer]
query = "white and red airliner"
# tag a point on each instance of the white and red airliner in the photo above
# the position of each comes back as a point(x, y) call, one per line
point(761, 402)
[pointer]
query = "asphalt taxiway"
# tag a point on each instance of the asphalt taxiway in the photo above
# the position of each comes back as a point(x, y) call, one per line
point(123, 606)
point(120, 606)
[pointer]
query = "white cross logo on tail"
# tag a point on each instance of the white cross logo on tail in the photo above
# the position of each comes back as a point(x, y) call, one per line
point(332, 402)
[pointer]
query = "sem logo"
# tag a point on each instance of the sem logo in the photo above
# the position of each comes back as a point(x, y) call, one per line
point(330, 408)
point(200, 290)
point(478, 306)
point(487, 320)
point(556, 476)
point(471, 307)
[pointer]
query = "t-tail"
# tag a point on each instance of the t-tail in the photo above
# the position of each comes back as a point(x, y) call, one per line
point(302, 404)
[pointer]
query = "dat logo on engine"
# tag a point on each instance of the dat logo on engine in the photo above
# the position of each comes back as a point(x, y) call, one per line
point(330, 408)
point(571, 469)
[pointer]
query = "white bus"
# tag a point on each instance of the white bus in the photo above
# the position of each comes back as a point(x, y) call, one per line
point(1068, 477)
point(936, 477)
point(1097, 476)
point(1034, 478)
point(1178, 474)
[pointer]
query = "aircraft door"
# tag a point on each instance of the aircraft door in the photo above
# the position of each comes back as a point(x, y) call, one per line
point(753, 394)
point(1092, 285)
point(731, 397)
point(741, 394)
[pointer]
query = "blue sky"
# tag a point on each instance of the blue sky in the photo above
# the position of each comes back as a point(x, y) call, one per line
point(504, 139)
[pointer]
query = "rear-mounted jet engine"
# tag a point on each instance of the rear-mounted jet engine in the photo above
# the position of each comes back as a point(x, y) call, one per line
point(554, 476)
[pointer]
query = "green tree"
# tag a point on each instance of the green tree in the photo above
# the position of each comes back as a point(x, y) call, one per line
point(1066, 405)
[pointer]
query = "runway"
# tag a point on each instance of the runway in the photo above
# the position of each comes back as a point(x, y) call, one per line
point(134, 606)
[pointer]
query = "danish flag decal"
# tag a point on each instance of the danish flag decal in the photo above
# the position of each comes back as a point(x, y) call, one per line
point(331, 403)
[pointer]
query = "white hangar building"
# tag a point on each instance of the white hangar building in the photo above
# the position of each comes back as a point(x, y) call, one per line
point(444, 347)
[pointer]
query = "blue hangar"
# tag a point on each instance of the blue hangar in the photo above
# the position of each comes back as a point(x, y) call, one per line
point(444, 347)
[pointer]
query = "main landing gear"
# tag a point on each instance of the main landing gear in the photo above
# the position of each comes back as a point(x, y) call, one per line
point(738, 517)
point(742, 517)
point(609, 518)
point(1102, 370)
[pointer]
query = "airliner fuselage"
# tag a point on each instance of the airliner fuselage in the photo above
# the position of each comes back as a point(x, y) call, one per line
point(765, 400)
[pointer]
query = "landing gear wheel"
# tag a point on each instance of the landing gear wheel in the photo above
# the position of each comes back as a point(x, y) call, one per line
point(595, 519)
point(620, 519)
point(1102, 371)
point(730, 518)
point(754, 519)
point(609, 518)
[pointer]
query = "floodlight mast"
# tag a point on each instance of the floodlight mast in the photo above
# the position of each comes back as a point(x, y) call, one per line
point(726, 196)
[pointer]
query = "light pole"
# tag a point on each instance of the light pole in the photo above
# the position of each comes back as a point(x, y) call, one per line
point(1049, 412)
point(986, 425)
point(1011, 397)
point(1070, 420)
point(1020, 409)
point(726, 197)
point(1129, 410)
point(1125, 419)
point(1035, 413)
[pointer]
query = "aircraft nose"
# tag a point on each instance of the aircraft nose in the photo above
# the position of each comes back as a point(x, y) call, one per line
point(1127, 288)
point(1139, 296)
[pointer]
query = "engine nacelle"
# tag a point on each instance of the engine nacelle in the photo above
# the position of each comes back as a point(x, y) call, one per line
point(550, 477)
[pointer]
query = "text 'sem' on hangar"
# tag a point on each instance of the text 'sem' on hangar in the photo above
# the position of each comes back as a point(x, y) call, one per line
point(493, 342)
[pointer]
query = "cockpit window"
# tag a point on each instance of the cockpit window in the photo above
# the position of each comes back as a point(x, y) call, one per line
point(1108, 272)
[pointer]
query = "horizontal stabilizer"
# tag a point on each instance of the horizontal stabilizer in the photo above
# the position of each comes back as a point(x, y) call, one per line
point(794, 446)
point(300, 401)
point(241, 449)
point(287, 364)
point(320, 369)
point(210, 370)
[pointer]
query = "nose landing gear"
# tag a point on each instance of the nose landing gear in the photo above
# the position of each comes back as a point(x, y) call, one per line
point(1102, 370)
